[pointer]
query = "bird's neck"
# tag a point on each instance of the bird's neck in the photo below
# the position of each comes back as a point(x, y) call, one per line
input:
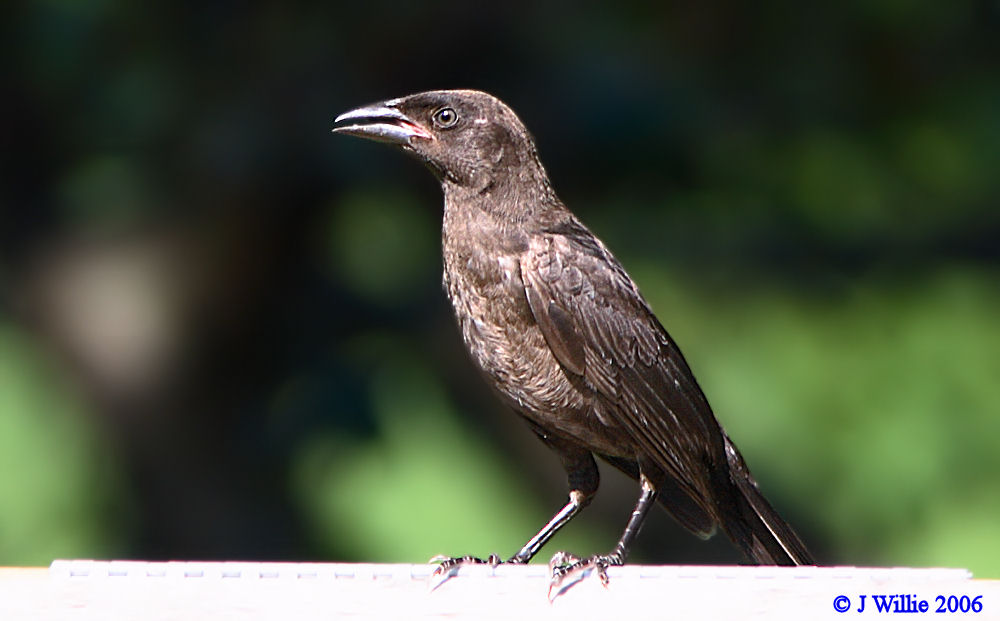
point(509, 199)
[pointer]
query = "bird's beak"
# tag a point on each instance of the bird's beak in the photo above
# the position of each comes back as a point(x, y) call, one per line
point(381, 122)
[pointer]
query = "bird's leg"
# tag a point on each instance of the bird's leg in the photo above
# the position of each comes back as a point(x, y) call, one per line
point(577, 501)
point(583, 481)
point(564, 564)
point(529, 550)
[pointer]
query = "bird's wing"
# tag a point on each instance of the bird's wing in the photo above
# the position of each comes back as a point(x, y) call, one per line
point(599, 327)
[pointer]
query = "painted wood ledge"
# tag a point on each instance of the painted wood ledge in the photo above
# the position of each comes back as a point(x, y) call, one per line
point(85, 589)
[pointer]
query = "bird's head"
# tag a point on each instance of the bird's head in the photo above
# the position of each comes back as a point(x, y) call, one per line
point(468, 138)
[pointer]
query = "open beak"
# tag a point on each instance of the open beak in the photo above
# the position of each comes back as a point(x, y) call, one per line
point(381, 122)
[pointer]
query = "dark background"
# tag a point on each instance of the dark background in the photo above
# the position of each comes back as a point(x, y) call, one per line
point(222, 334)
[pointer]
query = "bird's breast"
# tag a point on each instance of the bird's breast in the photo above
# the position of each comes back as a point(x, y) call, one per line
point(483, 282)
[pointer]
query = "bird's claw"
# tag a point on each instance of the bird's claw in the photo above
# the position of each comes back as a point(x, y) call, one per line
point(565, 565)
point(447, 563)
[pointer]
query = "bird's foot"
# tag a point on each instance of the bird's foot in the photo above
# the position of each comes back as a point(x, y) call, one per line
point(448, 563)
point(567, 569)
point(448, 566)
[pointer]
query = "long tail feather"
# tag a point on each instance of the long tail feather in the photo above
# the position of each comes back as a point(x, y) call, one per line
point(764, 536)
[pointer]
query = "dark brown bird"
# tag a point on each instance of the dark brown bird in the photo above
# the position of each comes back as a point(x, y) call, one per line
point(561, 332)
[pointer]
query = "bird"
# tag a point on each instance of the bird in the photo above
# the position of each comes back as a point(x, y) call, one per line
point(561, 332)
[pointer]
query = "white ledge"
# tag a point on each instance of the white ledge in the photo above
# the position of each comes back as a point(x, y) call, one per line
point(85, 589)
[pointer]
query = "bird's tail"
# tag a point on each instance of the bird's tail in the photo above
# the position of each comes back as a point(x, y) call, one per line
point(762, 534)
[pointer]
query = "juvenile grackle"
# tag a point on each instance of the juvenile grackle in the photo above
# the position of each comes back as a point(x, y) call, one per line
point(561, 332)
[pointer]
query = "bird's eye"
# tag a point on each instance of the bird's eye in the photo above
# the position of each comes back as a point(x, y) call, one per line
point(445, 118)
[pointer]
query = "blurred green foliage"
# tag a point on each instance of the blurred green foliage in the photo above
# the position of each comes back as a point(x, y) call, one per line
point(383, 246)
point(55, 480)
point(807, 195)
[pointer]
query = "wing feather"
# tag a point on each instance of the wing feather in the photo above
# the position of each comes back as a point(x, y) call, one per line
point(600, 328)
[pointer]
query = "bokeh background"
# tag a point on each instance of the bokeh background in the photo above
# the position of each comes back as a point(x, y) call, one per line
point(222, 334)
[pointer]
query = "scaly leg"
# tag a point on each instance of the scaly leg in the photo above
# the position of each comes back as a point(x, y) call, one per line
point(563, 563)
point(583, 482)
